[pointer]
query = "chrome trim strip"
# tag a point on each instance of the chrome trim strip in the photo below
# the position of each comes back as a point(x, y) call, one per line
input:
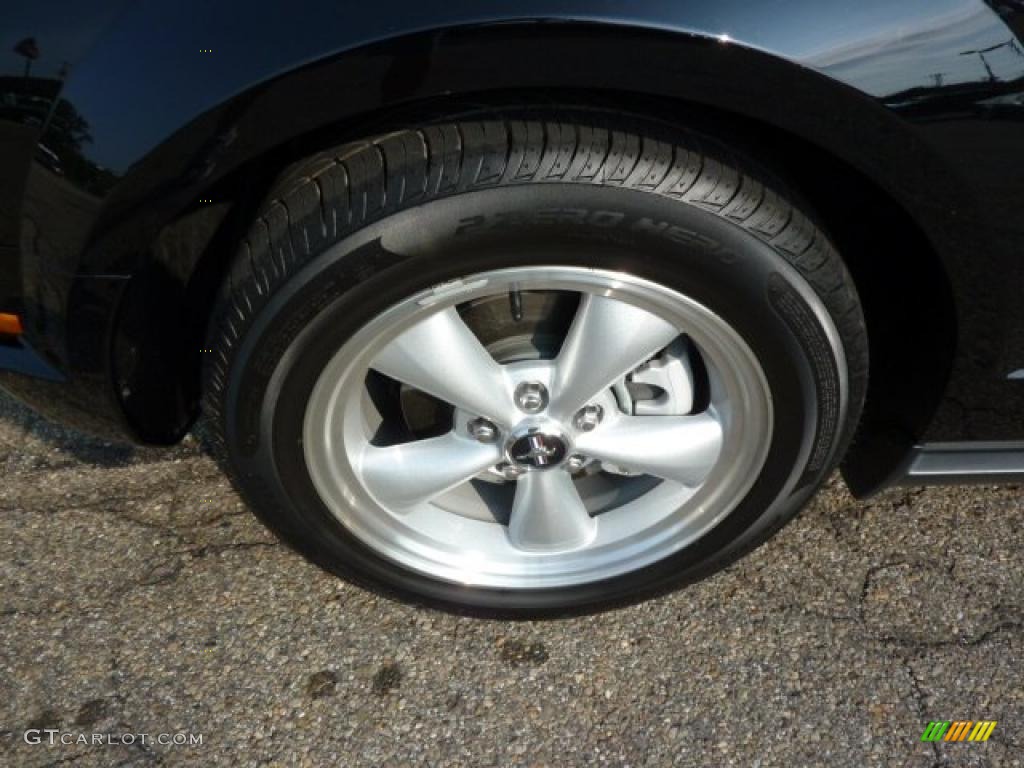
point(966, 462)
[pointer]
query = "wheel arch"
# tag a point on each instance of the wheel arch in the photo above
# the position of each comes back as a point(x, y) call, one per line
point(230, 157)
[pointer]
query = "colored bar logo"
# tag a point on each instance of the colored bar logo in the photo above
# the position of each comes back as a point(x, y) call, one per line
point(959, 730)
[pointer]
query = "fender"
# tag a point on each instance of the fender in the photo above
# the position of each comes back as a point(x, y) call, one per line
point(161, 107)
point(183, 98)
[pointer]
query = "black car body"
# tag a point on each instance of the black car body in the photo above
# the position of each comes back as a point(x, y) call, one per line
point(164, 124)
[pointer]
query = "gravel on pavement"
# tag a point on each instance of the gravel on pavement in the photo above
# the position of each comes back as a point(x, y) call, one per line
point(139, 596)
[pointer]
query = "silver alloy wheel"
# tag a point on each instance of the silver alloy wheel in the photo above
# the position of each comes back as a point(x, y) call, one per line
point(519, 495)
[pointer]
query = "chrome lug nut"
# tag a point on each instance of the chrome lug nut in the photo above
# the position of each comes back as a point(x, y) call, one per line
point(588, 417)
point(575, 463)
point(510, 471)
point(531, 397)
point(482, 430)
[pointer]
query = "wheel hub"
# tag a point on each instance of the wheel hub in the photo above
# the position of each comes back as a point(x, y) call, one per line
point(536, 447)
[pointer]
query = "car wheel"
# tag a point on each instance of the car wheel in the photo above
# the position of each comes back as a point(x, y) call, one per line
point(530, 366)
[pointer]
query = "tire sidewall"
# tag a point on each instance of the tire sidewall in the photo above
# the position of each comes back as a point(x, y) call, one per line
point(738, 276)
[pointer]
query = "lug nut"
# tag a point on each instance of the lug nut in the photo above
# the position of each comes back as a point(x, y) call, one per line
point(531, 396)
point(575, 463)
point(510, 471)
point(482, 430)
point(588, 417)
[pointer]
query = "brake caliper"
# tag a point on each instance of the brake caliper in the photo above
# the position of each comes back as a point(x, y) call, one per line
point(663, 386)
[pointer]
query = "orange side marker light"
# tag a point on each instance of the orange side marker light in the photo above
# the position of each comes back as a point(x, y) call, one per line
point(10, 325)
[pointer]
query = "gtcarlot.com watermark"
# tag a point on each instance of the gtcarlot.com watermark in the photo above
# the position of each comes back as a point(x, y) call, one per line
point(54, 737)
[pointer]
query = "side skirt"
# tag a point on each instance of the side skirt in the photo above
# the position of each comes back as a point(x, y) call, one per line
point(962, 463)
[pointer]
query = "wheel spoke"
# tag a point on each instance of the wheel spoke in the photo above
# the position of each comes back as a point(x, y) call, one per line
point(608, 339)
point(548, 514)
point(441, 356)
point(679, 448)
point(404, 475)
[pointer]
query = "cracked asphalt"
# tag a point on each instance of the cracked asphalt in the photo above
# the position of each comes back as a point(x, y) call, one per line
point(139, 596)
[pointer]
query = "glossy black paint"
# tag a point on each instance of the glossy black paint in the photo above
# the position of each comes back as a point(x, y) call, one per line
point(112, 255)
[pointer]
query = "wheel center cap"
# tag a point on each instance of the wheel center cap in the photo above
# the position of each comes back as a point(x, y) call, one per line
point(536, 447)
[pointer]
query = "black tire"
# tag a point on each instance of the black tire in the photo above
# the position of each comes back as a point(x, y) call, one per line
point(350, 232)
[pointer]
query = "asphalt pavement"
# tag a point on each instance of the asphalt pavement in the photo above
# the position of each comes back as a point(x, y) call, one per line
point(141, 599)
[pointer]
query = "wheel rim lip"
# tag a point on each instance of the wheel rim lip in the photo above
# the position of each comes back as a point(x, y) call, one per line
point(746, 414)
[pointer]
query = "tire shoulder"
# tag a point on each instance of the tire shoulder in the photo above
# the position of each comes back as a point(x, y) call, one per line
point(320, 200)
